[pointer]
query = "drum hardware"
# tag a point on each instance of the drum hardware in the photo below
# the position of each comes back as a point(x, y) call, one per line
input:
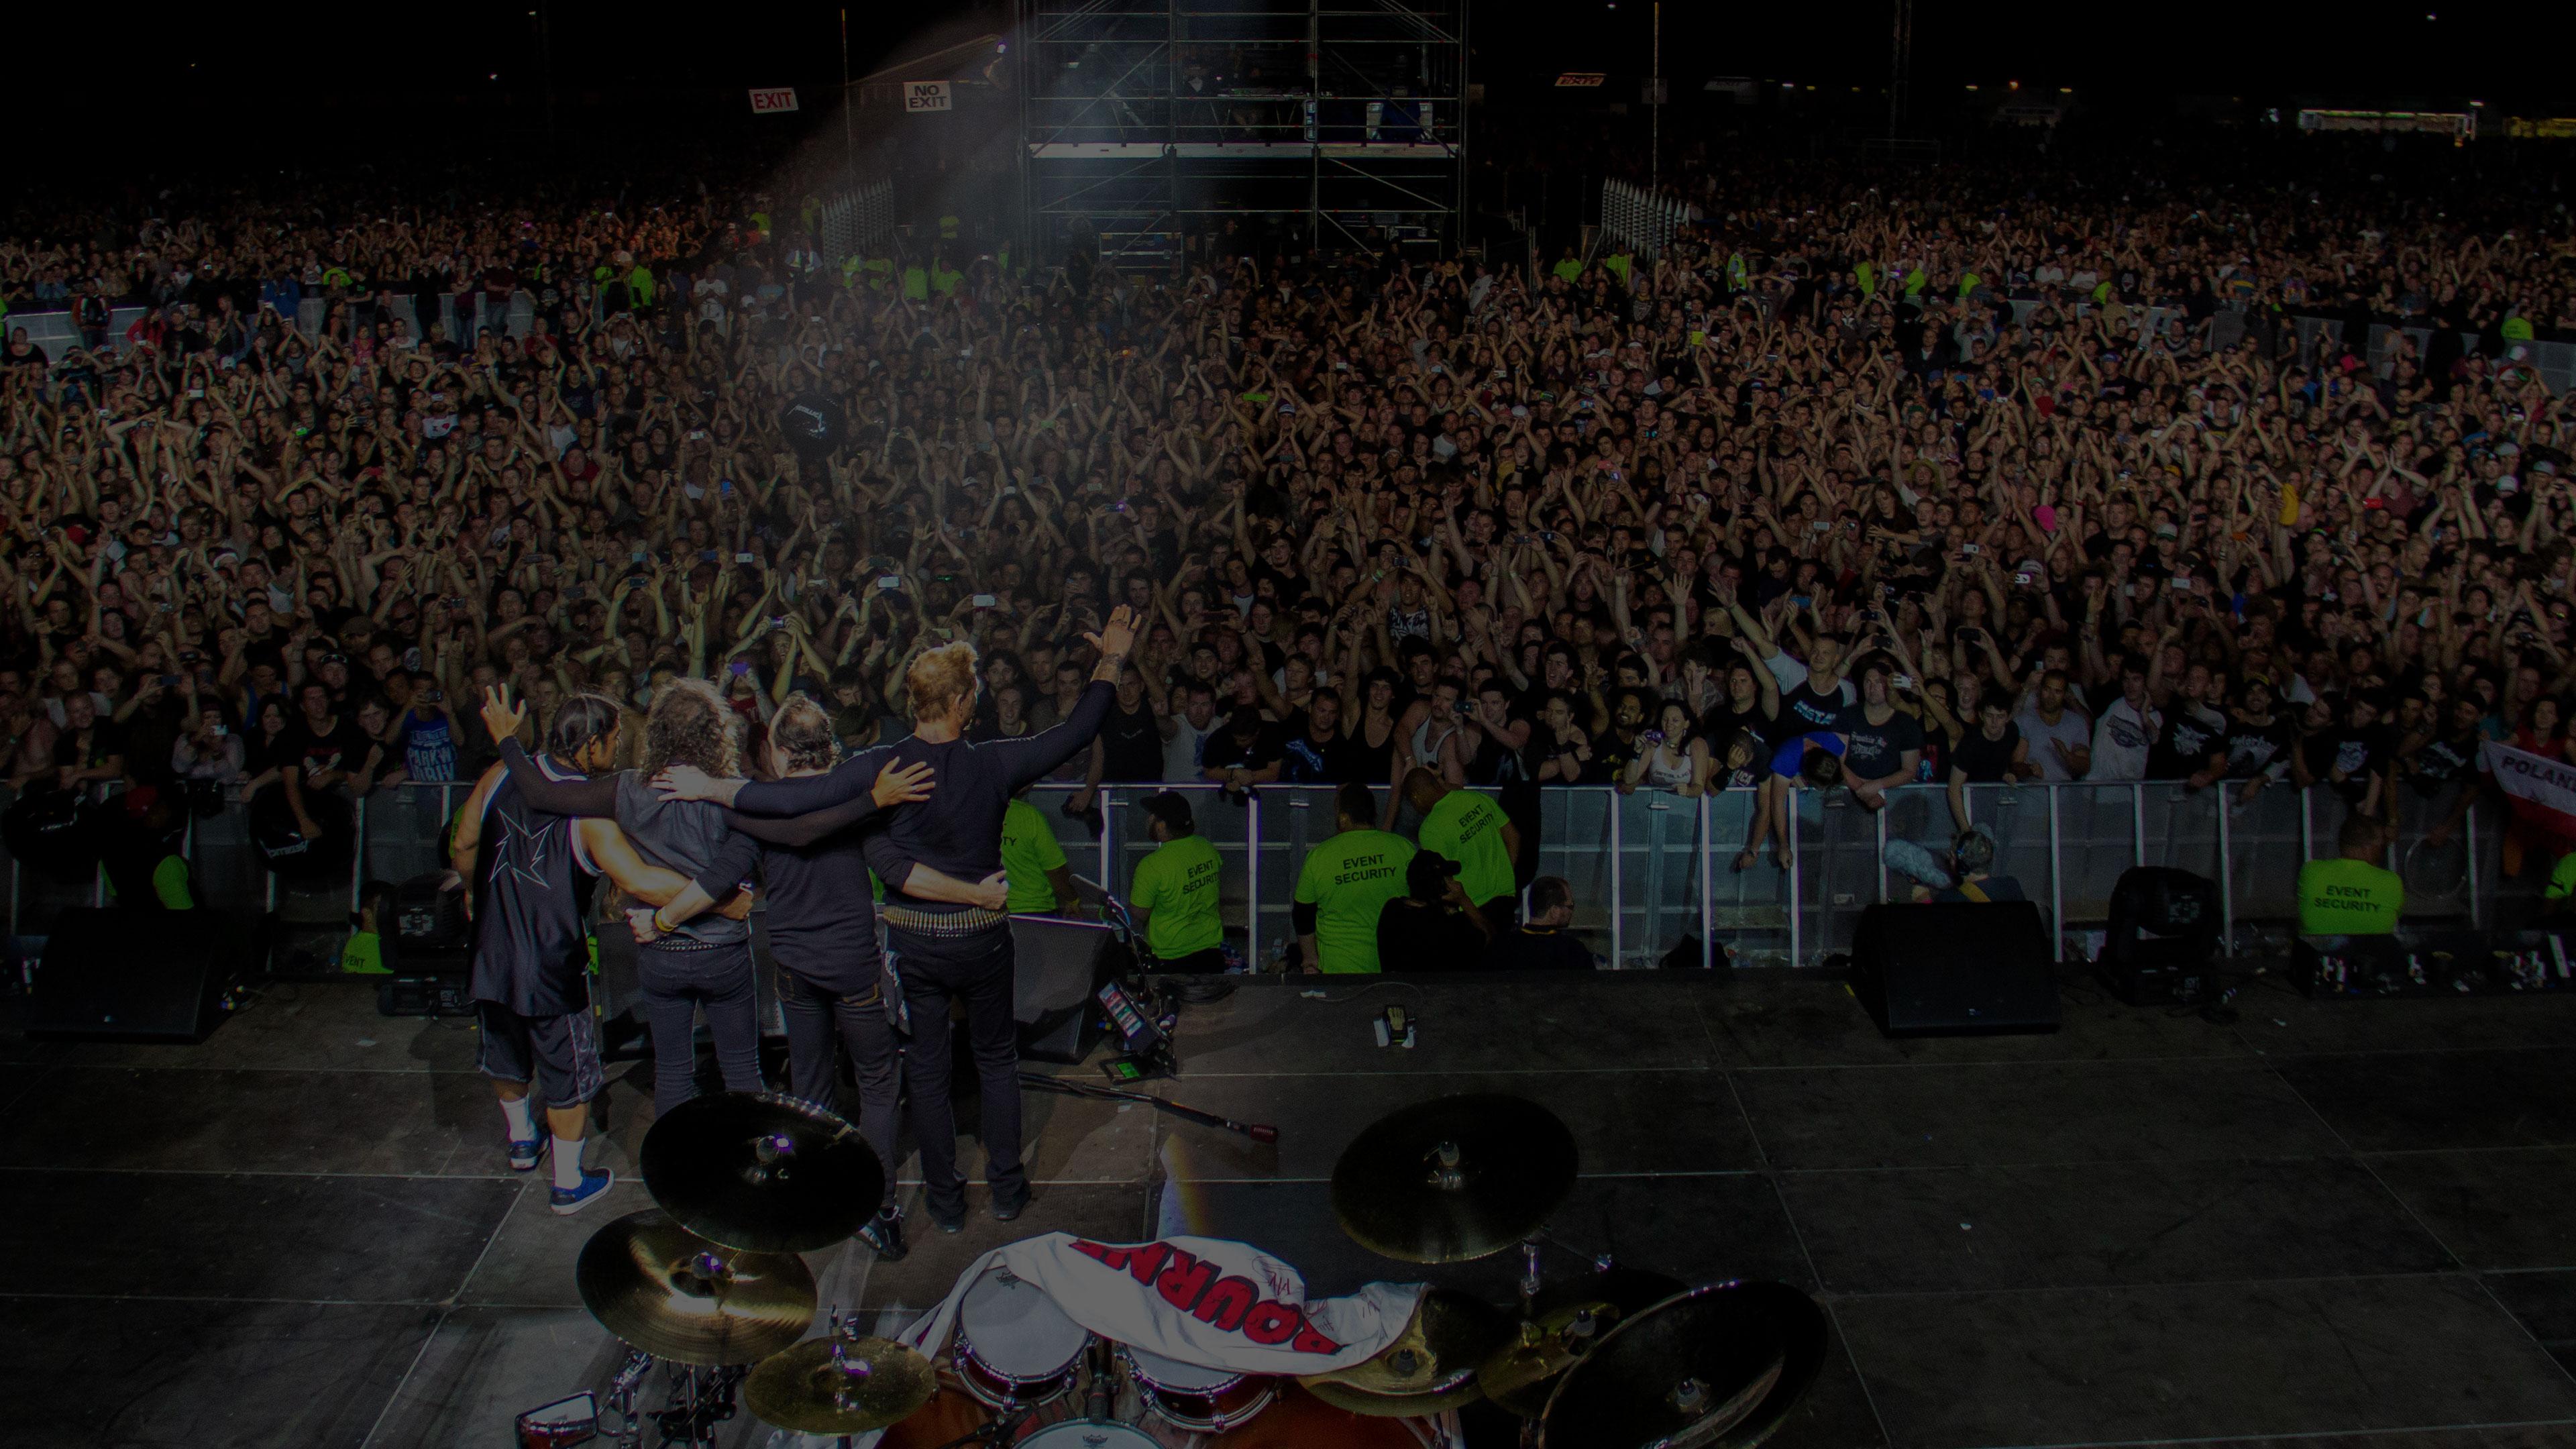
point(1041, 1081)
point(1430, 1367)
point(762, 1173)
point(677, 1296)
point(1718, 1366)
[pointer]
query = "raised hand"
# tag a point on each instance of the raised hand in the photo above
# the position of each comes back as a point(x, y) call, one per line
point(501, 716)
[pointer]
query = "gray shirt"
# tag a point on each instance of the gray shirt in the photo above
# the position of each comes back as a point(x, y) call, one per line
point(678, 835)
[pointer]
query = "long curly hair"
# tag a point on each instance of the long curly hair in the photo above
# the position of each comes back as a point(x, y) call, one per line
point(802, 732)
point(691, 725)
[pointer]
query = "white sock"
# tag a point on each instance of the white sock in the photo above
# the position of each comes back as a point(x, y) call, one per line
point(523, 1121)
point(567, 1162)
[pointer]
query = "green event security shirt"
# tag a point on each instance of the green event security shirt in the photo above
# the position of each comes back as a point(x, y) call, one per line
point(1029, 851)
point(1177, 884)
point(1348, 880)
point(2348, 898)
point(1468, 828)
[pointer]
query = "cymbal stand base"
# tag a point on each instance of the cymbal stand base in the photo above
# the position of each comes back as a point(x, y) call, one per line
point(621, 1397)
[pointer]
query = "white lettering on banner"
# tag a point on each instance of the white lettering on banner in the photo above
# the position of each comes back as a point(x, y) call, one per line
point(768, 100)
point(925, 95)
point(2540, 790)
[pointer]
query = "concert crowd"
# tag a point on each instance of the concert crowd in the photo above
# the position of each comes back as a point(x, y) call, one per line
point(1807, 501)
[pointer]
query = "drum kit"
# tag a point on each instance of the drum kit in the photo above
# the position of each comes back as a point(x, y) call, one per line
point(709, 1282)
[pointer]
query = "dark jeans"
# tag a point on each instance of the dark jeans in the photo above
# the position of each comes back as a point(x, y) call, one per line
point(814, 1016)
point(981, 970)
point(676, 985)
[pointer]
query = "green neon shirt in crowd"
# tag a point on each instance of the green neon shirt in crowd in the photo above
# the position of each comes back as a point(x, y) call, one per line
point(1348, 880)
point(1178, 885)
point(1468, 828)
point(1029, 851)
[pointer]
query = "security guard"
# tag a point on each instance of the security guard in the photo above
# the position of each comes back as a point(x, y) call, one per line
point(1345, 883)
point(1471, 830)
point(1174, 895)
point(2351, 895)
point(1041, 879)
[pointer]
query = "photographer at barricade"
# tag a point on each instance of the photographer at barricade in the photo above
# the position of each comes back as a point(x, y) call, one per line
point(2352, 895)
point(1173, 898)
point(1434, 925)
point(1345, 884)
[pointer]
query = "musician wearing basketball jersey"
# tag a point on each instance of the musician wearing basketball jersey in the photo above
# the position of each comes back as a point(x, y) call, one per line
point(529, 878)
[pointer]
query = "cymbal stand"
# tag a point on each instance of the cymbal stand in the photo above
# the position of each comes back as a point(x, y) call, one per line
point(701, 1398)
point(621, 1397)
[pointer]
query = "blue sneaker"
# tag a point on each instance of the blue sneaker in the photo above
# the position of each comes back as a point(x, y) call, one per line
point(569, 1200)
point(526, 1153)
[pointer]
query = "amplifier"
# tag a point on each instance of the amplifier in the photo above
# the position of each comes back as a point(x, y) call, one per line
point(2158, 972)
point(427, 983)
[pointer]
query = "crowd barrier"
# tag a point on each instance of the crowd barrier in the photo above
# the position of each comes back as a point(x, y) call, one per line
point(1652, 871)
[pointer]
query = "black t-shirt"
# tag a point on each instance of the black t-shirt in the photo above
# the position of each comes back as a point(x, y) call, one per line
point(1719, 728)
point(340, 745)
point(2258, 749)
point(1226, 749)
point(1131, 745)
point(2191, 735)
point(1878, 750)
point(1339, 760)
point(1985, 761)
point(2440, 762)
point(1426, 937)
point(1807, 710)
point(1534, 949)
point(2359, 753)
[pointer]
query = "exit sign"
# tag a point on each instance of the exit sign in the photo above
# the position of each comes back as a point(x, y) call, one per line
point(925, 95)
point(772, 99)
point(1583, 78)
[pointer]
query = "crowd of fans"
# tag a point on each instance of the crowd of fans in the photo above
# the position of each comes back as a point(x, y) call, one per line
point(1803, 501)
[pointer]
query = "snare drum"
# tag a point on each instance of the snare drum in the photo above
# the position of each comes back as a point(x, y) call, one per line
point(1014, 1347)
point(1201, 1400)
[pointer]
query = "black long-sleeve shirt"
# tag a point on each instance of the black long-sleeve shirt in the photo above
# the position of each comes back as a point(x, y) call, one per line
point(958, 830)
point(822, 911)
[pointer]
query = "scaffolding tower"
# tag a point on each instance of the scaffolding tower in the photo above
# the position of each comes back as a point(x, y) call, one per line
point(1328, 125)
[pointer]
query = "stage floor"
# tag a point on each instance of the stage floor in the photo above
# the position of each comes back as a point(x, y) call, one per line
point(2349, 1224)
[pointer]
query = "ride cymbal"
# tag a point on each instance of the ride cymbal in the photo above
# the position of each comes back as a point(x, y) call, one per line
point(1429, 1367)
point(1717, 1366)
point(765, 1174)
point(840, 1385)
point(676, 1295)
point(1453, 1178)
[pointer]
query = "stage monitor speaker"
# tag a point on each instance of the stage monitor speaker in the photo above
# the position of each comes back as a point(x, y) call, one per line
point(1955, 970)
point(2163, 937)
point(1061, 964)
point(137, 974)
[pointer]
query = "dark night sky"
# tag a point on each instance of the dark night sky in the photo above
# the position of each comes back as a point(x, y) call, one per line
point(361, 75)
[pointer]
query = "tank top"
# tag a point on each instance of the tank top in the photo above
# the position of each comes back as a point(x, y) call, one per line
point(532, 885)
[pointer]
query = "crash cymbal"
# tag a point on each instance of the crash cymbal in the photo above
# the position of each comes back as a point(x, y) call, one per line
point(675, 1295)
point(1519, 1375)
point(1454, 1178)
point(1717, 1366)
point(840, 1385)
point(761, 1173)
point(1429, 1367)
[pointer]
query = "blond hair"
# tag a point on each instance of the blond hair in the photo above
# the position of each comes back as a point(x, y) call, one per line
point(939, 678)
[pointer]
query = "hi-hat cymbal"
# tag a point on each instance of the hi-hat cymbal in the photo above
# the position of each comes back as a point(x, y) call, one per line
point(1453, 1178)
point(1520, 1374)
point(840, 1385)
point(762, 1173)
point(675, 1295)
point(1717, 1366)
point(1429, 1367)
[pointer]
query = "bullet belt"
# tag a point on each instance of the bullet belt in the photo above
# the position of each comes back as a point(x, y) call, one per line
point(957, 923)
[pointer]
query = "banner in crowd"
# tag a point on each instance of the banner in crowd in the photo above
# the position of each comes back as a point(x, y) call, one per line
point(2540, 791)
